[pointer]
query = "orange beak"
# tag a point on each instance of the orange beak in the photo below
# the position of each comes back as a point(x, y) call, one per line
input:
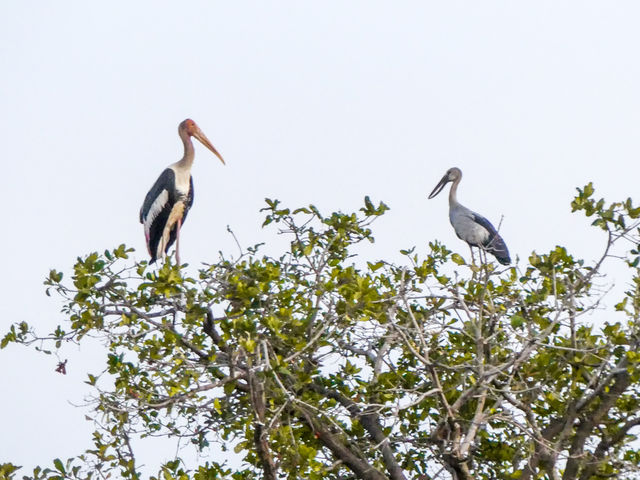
point(202, 138)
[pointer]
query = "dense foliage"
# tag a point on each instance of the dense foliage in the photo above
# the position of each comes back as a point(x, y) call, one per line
point(321, 365)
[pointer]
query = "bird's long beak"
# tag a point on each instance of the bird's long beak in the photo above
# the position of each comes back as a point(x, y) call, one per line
point(202, 138)
point(440, 186)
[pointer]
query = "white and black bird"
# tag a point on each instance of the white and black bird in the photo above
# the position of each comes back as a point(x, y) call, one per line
point(469, 226)
point(166, 205)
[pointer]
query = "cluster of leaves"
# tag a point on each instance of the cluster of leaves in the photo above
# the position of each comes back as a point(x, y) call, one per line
point(319, 365)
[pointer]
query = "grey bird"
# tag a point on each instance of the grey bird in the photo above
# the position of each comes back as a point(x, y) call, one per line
point(469, 226)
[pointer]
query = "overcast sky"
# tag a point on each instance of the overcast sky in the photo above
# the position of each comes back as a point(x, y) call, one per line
point(308, 102)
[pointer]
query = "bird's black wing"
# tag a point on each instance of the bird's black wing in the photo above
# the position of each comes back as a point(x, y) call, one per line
point(480, 220)
point(494, 244)
point(155, 210)
point(166, 180)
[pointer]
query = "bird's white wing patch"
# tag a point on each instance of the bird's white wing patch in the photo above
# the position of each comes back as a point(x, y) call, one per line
point(155, 209)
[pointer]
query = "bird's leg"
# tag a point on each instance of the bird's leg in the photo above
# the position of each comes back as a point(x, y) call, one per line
point(178, 241)
point(473, 260)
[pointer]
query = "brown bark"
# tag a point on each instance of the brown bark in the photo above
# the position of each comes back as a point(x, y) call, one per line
point(370, 421)
point(333, 442)
point(592, 419)
point(260, 434)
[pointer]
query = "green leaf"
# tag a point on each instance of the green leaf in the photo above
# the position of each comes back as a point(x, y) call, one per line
point(457, 259)
point(517, 321)
point(59, 466)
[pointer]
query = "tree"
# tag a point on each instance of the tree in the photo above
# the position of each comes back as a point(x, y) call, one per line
point(319, 365)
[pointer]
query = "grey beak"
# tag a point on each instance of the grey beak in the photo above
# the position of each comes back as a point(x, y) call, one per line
point(439, 187)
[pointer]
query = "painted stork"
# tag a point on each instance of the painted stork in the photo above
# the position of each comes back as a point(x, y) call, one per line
point(474, 229)
point(166, 205)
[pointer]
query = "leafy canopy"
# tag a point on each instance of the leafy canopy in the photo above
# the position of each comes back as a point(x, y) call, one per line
point(317, 364)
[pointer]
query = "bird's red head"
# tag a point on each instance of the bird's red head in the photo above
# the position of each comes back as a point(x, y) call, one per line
point(189, 126)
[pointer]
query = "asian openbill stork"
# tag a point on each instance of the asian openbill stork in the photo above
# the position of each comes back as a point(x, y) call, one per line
point(166, 205)
point(471, 227)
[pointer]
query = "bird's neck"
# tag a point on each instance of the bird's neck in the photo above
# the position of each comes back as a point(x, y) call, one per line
point(453, 193)
point(189, 152)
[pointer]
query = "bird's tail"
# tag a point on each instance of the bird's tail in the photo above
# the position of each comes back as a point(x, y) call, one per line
point(498, 249)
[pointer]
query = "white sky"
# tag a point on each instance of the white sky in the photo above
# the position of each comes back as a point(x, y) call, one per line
point(308, 102)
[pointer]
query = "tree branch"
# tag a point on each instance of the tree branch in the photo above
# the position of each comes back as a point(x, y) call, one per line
point(370, 421)
point(260, 433)
point(357, 465)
